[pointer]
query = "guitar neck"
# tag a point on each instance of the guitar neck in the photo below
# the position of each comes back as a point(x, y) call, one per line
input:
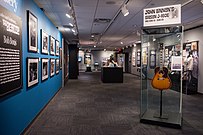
point(161, 60)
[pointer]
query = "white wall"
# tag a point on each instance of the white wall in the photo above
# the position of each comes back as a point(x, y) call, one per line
point(197, 35)
point(134, 68)
point(96, 56)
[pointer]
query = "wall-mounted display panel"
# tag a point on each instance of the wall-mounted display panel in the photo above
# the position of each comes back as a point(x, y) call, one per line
point(57, 66)
point(57, 48)
point(44, 42)
point(60, 58)
point(87, 59)
point(52, 67)
point(10, 52)
point(52, 45)
point(32, 71)
point(138, 59)
point(32, 32)
point(134, 58)
point(152, 63)
point(45, 63)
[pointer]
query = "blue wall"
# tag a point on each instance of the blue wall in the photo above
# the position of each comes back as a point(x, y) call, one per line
point(18, 109)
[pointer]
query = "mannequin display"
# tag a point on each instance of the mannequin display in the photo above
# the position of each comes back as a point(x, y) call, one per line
point(189, 66)
point(112, 63)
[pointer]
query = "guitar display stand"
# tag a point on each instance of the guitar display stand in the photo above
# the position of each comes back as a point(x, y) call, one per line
point(160, 113)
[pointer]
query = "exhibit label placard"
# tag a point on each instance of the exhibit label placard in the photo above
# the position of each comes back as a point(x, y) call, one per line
point(10, 52)
point(162, 15)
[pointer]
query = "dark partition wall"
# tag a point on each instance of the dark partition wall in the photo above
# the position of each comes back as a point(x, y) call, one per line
point(73, 61)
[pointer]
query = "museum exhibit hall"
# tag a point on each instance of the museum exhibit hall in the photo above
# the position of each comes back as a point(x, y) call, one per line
point(101, 67)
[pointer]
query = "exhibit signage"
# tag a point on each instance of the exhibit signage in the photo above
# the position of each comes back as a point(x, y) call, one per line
point(10, 52)
point(162, 15)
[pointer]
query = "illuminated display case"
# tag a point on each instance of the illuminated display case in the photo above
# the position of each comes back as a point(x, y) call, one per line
point(161, 83)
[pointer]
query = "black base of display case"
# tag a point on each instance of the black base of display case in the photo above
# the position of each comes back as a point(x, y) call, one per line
point(172, 120)
point(88, 69)
point(112, 74)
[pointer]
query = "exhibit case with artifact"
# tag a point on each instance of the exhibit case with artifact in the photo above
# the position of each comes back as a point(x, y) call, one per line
point(161, 83)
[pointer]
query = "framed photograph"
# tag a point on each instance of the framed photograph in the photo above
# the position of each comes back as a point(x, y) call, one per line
point(57, 66)
point(32, 71)
point(144, 55)
point(45, 62)
point(32, 32)
point(44, 42)
point(52, 45)
point(138, 59)
point(152, 63)
point(57, 47)
point(60, 58)
point(176, 63)
point(52, 67)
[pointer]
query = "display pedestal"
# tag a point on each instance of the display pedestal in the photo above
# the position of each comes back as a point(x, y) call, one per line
point(88, 69)
point(173, 120)
point(112, 74)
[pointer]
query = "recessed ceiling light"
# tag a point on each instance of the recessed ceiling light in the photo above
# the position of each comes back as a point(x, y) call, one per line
point(104, 49)
point(121, 42)
point(92, 35)
point(95, 46)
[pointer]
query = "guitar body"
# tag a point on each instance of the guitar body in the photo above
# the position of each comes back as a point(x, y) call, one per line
point(161, 80)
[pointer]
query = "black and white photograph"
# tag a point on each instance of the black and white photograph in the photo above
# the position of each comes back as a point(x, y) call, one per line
point(57, 66)
point(60, 58)
point(57, 47)
point(32, 32)
point(52, 67)
point(44, 42)
point(32, 71)
point(45, 68)
point(52, 45)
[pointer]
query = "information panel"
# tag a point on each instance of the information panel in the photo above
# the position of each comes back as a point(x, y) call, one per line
point(162, 15)
point(10, 52)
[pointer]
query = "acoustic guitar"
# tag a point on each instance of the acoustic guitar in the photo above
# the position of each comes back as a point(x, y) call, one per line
point(161, 80)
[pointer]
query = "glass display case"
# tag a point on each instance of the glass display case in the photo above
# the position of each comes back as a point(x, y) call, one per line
point(161, 84)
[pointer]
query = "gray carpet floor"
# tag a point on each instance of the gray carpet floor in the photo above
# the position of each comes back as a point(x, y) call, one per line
point(89, 107)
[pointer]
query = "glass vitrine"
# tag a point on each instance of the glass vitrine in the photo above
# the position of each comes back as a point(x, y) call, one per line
point(161, 73)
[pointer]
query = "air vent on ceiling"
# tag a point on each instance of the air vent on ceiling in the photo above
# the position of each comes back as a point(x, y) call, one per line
point(101, 20)
point(111, 2)
point(95, 34)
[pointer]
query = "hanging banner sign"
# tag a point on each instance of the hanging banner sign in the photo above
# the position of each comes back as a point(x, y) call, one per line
point(162, 15)
point(10, 52)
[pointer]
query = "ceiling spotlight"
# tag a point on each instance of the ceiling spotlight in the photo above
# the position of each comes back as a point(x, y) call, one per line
point(68, 15)
point(124, 10)
point(121, 42)
point(104, 49)
point(134, 44)
point(154, 39)
point(71, 24)
point(73, 30)
point(95, 46)
point(92, 36)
